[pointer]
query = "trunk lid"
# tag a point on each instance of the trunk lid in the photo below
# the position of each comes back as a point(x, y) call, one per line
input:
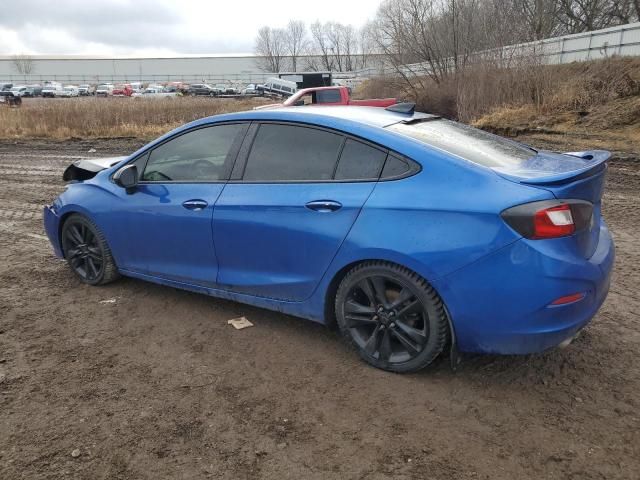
point(567, 175)
point(572, 175)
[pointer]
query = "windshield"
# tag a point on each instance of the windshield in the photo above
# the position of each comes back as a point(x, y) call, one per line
point(470, 143)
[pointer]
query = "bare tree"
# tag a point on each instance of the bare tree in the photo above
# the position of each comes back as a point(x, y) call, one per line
point(367, 45)
point(338, 45)
point(23, 64)
point(540, 16)
point(296, 41)
point(419, 32)
point(624, 11)
point(270, 49)
point(586, 15)
point(321, 45)
point(334, 33)
point(350, 47)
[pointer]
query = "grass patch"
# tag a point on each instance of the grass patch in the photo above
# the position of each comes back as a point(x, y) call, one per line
point(58, 118)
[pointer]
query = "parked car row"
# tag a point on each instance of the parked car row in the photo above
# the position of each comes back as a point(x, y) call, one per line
point(272, 87)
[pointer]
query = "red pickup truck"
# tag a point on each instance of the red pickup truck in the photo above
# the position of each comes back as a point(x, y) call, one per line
point(328, 96)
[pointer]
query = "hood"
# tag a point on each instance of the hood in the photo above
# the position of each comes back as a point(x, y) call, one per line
point(88, 168)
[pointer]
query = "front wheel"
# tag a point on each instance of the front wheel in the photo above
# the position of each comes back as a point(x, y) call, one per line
point(392, 317)
point(87, 252)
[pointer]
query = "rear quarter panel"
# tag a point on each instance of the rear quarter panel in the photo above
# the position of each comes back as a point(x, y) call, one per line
point(436, 222)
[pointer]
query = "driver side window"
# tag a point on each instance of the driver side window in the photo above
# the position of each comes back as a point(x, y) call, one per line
point(197, 156)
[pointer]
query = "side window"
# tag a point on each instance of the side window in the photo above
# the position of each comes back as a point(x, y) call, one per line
point(394, 167)
point(290, 153)
point(307, 99)
point(140, 163)
point(196, 156)
point(328, 96)
point(359, 162)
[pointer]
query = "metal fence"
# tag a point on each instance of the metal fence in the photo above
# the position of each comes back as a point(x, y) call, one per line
point(597, 44)
point(210, 78)
point(621, 40)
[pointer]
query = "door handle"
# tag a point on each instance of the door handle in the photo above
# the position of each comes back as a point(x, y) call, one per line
point(195, 205)
point(324, 205)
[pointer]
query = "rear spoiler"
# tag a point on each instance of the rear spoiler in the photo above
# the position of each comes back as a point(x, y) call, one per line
point(559, 169)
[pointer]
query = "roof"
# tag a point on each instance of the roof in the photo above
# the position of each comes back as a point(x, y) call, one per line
point(371, 116)
point(367, 122)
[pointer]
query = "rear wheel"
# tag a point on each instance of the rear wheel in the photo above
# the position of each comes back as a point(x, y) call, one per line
point(87, 252)
point(391, 316)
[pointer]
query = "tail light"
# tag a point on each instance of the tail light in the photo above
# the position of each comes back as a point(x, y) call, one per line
point(553, 222)
point(549, 218)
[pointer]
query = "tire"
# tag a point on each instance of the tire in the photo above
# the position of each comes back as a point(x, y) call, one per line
point(87, 252)
point(391, 316)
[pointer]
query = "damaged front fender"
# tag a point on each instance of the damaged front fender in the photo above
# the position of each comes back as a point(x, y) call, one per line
point(88, 168)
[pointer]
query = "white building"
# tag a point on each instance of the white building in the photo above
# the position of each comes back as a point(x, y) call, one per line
point(82, 69)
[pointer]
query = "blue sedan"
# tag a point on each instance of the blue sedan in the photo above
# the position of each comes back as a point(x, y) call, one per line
point(414, 233)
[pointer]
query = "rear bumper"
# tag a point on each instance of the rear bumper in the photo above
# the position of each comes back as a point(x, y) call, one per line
point(502, 303)
point(51, 222)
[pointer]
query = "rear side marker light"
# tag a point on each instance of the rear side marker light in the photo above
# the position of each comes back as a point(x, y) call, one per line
point(568, 299)
point(553, 222)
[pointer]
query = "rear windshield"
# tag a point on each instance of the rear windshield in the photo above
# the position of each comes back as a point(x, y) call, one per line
point(467, 142)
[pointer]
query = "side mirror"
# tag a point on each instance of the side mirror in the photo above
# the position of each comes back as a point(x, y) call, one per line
point(127, 178)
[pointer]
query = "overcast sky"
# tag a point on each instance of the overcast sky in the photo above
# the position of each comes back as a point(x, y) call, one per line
point(157, 27)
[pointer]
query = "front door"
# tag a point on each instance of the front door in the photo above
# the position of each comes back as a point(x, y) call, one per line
point(165, 226)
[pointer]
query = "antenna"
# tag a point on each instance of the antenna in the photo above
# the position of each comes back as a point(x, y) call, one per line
point(408, 107)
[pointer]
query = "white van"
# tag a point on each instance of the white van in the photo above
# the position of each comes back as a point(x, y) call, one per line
point(280, 87)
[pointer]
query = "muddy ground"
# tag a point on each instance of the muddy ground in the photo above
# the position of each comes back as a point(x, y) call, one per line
point(146, 382)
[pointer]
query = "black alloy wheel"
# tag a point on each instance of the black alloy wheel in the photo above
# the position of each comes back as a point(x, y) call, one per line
point(87, 252)
point(393, 317)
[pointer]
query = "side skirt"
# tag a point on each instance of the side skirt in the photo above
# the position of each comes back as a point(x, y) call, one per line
point(296, 309)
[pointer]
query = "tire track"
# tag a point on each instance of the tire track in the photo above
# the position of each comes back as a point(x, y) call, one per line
point(12, 228)
point(48, 155)
point(17, 171)
point(17, 205)
point(20, 214)
point(32, 167)
point(48, 182)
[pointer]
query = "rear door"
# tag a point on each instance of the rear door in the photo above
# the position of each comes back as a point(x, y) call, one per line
point(289, 205)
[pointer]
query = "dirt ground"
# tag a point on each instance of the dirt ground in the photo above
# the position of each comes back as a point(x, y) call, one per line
point(138, 381)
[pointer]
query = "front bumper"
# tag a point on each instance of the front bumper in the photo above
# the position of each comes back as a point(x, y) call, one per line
point(502, 303)
point(51, 221)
